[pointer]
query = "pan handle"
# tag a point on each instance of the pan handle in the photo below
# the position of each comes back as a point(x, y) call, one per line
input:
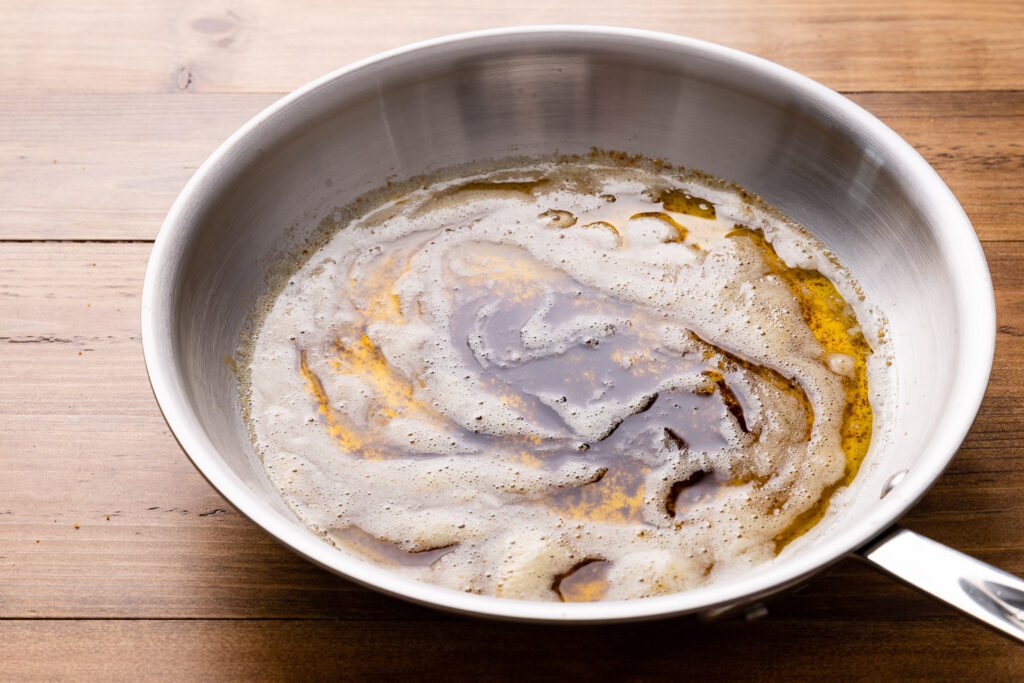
point(982, 591)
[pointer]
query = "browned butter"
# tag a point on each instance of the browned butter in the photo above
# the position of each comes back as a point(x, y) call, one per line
point(574, 379)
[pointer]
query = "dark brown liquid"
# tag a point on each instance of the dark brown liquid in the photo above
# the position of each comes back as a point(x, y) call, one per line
point(585, 582)
point(493, 311)
point(384, 553)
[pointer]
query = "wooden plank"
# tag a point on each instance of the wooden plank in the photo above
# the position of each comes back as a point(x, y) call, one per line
point(976, 143)
point(263, 46)
point(109, 167)
point(173, 548)
point(100, 511)
point(108, 106)
point(850, 647)
point(105, 167)
point(82, 439)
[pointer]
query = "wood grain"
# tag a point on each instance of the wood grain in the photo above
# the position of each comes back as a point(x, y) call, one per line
point(118, 561)
point(264, 46)
point(81, 440)
point(459, 649)
point(109, 166)
point(89, 166)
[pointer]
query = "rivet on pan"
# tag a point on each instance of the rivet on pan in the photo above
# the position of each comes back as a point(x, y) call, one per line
point(894, 480)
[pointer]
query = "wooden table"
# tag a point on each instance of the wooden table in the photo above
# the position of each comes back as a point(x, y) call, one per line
point(117, 560)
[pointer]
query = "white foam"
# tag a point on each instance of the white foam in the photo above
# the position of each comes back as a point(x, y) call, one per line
point(457, 455)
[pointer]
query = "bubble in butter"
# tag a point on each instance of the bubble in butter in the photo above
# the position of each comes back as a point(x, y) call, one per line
point(571, 379)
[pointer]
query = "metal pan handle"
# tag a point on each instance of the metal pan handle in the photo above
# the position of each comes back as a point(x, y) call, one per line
point(982, 591)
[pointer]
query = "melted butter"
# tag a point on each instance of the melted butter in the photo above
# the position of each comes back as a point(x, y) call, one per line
point(680, 229)
point(835, 327)
point(700, 228)
point(384, 553)
point(345, 436)
point(585, 582)
point(618, 496)
point(681, 201)
point(521, 186)
point(496, 293)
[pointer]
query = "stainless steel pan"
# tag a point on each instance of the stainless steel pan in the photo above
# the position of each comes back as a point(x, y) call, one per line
point(818, 157)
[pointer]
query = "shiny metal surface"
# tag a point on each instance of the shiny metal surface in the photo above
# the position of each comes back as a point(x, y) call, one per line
point(821, 159)
point(986, 593)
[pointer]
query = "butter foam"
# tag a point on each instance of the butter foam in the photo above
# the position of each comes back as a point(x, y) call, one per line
point(517, 373)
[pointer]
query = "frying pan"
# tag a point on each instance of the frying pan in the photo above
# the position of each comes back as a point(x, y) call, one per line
point(823, 161)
